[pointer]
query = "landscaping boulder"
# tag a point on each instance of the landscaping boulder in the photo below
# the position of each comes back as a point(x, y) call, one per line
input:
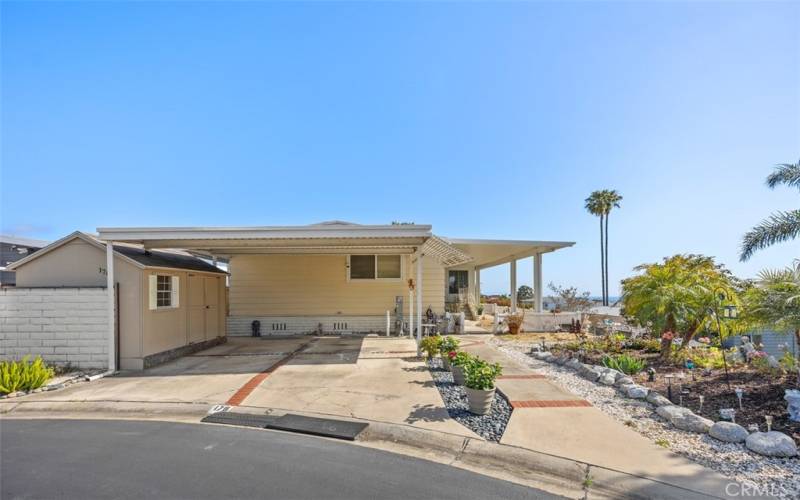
point(684, 419)
point(573, 364)
point(669, 411)
point(542, 355)
point(636, 392)
point(607, 378)
point(771, 444)
point(619, 375)
point(623, 381)
point(657, 399)
point(588, 373)
point(728, 432)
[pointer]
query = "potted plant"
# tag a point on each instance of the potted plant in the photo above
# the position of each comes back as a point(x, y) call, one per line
point(457, 362)
point(449, 344)
point(479, 377)
point(514, 322)
point(431, 345)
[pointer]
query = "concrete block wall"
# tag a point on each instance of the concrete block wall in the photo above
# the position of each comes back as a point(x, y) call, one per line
point(299, 325)
point(62, 325)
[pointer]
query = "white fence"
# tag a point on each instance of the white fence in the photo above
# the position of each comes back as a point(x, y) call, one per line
point(62, 325)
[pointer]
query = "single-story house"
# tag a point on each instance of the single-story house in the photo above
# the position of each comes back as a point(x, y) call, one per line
point(331, 277)
point(168, 303)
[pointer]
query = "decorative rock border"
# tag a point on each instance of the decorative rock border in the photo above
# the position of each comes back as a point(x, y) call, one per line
point(74, 378)
point(771, 444)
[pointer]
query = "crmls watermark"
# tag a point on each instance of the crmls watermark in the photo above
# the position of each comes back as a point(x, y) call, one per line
point(754, 490)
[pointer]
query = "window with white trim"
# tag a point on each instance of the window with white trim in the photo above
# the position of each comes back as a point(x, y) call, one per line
point(163, 291)
point(374, 267)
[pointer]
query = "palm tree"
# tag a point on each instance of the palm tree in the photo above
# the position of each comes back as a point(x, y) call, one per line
point(594, 207)
point(611, 201)
point(601, 203)
point(780, 226)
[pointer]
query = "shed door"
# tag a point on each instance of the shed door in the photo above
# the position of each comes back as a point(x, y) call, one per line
point(211, 306)
point(196, 304)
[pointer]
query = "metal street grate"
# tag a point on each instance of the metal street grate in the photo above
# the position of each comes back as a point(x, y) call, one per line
point(242, 419)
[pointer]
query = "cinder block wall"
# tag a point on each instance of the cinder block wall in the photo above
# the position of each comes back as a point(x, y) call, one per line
point(63, 325)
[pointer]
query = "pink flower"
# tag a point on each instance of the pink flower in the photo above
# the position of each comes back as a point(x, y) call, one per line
point(704, 340)
point(668, 336)
point(451, 355)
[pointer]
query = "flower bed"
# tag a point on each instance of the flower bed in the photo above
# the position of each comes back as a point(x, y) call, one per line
point(734, 460)
point(490, 426)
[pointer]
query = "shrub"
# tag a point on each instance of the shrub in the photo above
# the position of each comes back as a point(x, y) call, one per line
point(624, 363)
point(646, 345)
point(480, 375)
point(23, 375)
point(710, 358)
point(461, 358)
point(448, 344)
point(788, 362)
point(431, 345)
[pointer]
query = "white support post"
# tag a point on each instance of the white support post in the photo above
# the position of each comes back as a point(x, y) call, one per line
point(112, 334)
point(537, 283)
point(214, 260)
point(388, 323)
point(418, 289)
point(410, 313)
point(477, 287)
point(513, 286)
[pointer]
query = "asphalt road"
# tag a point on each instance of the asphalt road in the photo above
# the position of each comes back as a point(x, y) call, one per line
point(127, 459)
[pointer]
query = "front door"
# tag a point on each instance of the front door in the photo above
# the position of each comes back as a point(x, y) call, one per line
point(211, 306)
point(197, 309)
point(457, 284)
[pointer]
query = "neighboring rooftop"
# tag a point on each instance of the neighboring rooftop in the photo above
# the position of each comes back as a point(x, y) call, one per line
point(21, 241)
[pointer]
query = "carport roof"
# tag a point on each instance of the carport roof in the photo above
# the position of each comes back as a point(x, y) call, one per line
point(332, 237)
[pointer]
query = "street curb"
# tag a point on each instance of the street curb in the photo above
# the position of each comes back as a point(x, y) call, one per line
point(558, 475)
point(551, 473)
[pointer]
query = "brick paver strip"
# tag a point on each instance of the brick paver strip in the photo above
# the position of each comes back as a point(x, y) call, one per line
point(521, 377)
point(550, 404)
point(254, 382)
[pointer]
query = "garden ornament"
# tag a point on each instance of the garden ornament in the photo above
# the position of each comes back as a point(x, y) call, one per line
point(739, 392)
point(651, 374)
point(792, 397)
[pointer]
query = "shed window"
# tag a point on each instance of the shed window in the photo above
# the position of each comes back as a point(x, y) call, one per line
point(375, 267)
point(163, 291)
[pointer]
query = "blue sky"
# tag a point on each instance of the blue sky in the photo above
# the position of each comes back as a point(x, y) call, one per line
point(487, 120)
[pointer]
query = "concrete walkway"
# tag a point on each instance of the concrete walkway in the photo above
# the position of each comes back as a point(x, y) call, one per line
point(549, 419)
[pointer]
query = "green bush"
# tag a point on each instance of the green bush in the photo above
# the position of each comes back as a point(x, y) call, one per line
point(461, 359)
point(431, 345)
point(448, 344)
point(706, 358)
point(23, 375)
point(480, 375)
point(624, 363)
point(646, 345)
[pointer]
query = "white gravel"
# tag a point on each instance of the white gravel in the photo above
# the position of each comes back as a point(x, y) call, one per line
point(780, 476)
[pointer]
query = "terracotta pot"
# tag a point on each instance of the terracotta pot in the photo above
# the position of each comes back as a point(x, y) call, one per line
point(446, 361)
point(458, 374)
point(480, 402)
point(514, 329)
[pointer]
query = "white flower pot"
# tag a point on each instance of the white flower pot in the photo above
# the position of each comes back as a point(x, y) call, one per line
point(480, 402)
point(458, 374)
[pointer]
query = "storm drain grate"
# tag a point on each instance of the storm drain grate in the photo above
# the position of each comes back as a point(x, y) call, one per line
point(339, 429)
point(243, 419)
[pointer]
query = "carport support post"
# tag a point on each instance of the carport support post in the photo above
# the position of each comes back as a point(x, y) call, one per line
point(477, 287)
point(513, 286)
point(537, 283)
point(112, 350)
point(411, 313)
point(418, 289)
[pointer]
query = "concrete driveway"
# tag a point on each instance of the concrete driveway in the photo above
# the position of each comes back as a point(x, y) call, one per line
point(374, 378)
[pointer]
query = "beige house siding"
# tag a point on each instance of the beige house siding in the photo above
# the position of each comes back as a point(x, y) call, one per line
point(317, 285)
point(165, 329)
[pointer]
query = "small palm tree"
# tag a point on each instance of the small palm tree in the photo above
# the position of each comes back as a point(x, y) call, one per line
point(601, 203)
point(780, 226)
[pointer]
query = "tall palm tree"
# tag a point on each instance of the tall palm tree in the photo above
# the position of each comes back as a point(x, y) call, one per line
point(611, 199)
point(594, 206)
point(780, 226)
